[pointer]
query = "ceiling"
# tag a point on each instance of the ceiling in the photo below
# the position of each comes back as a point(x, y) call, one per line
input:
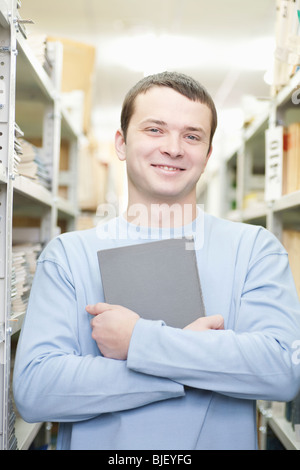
point(226, 45)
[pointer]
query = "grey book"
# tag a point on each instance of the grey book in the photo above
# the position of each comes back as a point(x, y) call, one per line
point(159, 280)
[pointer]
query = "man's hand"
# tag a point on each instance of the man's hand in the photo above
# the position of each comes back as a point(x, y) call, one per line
point(112, 328)
point(214, 322)
point(113, 325)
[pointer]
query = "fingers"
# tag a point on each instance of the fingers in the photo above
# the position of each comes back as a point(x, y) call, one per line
point(214, 322)
point(112, 327)
point(98, 308)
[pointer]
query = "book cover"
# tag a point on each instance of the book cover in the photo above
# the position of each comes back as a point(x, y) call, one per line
point(159, 280)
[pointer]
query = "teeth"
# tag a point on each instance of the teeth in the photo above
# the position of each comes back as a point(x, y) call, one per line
point(170, 168)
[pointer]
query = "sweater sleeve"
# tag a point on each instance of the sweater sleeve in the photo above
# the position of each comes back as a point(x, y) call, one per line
point(256, 359)
point(53, 380)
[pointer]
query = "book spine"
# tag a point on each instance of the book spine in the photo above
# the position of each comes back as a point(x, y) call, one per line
point(291, 159)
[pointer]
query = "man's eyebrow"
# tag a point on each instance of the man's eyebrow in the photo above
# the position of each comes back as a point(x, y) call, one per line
point(195, 129)
point(154, 121)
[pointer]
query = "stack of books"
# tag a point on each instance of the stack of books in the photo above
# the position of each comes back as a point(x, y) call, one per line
point(17, 148)
point(23, 268)
point(32, 164)
point(291, 159)
point(287, 52)
point(39, 45)
point(282, 161)
point(12, 440)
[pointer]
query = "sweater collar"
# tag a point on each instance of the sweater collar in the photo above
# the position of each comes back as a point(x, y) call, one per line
point(132, 231)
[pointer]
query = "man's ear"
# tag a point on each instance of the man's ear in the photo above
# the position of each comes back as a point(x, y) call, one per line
point(208, 156)
point(120, 145)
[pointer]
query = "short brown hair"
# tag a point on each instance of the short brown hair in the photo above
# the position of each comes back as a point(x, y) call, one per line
point(179, 82)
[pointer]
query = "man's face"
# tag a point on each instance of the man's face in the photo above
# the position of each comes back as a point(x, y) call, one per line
point(167, 147)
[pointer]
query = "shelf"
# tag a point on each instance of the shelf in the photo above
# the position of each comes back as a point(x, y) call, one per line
point(284, 432)
point(285, 94)
point(25, 433)
point(67, 129)
point(259, 125)
point(288, 201)
point(32, 190)
point(248, 215)
point(16, 322)
point(283, 428)
point(254, 213)
point(66, 208)
point(33, 82)
point(234, 215)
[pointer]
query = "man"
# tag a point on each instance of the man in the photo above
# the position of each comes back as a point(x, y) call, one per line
point(115, 380)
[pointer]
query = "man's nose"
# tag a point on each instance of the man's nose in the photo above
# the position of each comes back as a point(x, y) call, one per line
point(172, 146)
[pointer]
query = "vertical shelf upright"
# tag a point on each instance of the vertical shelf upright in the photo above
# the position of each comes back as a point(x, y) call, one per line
point(7, 106)
point(29, 97)
point(51, 141)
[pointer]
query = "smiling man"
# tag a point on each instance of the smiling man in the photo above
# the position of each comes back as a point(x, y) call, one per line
point(115, 380)
point(166, 148)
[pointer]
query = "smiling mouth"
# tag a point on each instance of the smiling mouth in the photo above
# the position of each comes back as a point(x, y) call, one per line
point(168, 168)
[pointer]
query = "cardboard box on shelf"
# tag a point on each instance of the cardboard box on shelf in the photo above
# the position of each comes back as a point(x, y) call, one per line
point(77, 73)
point(291, 242)
point(92, 176)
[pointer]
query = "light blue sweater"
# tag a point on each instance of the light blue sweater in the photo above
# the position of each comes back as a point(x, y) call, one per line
point(178, 389)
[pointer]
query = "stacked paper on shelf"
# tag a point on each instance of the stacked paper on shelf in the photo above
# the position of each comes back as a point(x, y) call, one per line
point(20, 284)
point(43, 173)
point(32, 163)
point(23, 268)
point(12, 440)
point(287, 52)
point(17, 147)
point(39, 45)
point(27, 166)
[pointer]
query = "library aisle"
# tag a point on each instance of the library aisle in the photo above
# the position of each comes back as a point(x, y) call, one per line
point(65, 68)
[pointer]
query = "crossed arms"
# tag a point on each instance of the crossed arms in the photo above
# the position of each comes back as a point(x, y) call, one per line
point(112, 328)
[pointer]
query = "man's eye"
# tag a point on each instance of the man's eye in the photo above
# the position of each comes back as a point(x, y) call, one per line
point(193, 137)
point(153, 131)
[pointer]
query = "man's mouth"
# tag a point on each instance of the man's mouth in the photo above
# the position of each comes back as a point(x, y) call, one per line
point(167, 167)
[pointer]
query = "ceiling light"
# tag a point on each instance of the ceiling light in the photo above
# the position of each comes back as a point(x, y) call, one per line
point(152, 53)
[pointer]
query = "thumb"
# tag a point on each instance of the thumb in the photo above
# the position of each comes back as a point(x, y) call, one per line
point(216, 322)
point(98, 308)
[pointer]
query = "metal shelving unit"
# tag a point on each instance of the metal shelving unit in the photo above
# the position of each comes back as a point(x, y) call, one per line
point(273, 415)
point(7, 105)
point(276, 214)
point(31, 97)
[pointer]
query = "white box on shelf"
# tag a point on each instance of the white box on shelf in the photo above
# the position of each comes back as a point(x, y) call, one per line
point(274, 159)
